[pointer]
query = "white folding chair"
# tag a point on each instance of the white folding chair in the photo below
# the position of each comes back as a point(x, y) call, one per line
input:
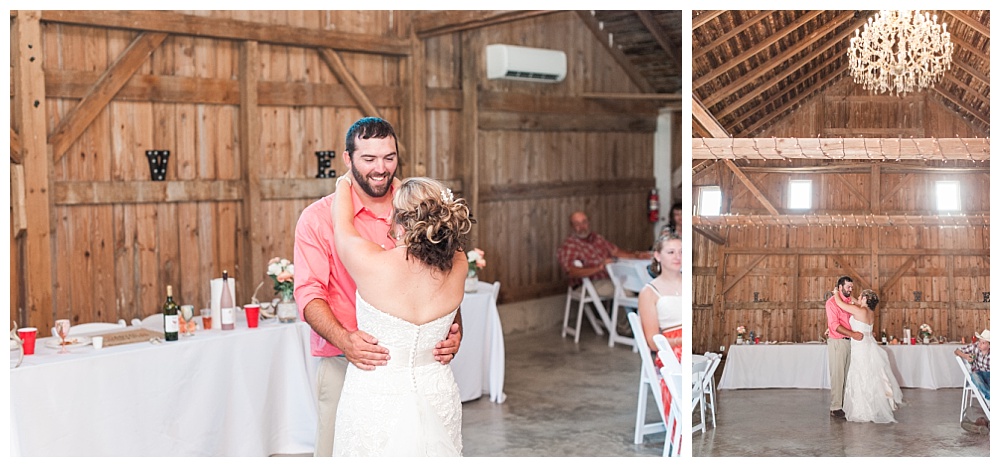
point(649, 380)
point(708, 382)
point(698, 371)
point(84, 328)
point(626, 280)
point(496, 290)
point(671, 373)
point(970, 391)
point(585, 293)
point(152, 322)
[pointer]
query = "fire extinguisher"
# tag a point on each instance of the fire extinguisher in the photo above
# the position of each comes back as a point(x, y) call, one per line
point(654, 206)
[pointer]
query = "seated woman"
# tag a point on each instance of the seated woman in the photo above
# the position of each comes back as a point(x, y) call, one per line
point(660, 299)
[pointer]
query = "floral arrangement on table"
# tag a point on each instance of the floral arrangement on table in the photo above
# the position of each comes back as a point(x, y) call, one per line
point(741, 331)
point(477, 261)
point(925, 331)
point(282, 272)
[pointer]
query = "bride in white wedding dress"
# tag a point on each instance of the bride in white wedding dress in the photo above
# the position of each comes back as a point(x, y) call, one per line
point(407, 298)
point(871, 393)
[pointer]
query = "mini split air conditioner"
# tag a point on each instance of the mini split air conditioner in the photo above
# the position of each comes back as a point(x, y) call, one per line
point(525, 63)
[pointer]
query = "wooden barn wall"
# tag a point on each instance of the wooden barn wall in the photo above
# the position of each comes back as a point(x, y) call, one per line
point(774, 279)
point(119, 239)
point(543, 152)
point(848, 110)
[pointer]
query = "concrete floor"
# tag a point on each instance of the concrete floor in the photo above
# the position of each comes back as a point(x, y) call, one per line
point(563, 400)
point(797, 422)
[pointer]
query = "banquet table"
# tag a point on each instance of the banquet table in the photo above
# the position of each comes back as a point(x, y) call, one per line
point(479, 364)
point(806, 366)
point(244, 392)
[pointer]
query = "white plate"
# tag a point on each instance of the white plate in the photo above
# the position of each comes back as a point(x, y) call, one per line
point(71, 342)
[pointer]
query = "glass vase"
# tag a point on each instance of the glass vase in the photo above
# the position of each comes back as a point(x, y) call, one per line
point(471, 282)
point(287, 311)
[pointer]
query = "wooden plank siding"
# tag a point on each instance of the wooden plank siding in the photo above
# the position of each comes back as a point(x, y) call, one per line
point(107, 240)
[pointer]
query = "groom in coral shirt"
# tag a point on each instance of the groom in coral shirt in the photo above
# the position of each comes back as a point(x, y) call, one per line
point(839, 345)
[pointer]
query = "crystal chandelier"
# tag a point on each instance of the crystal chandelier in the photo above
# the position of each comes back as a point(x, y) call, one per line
point(898, 51)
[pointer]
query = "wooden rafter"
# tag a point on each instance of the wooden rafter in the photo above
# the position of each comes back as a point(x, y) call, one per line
point(963, 44)
point(860, 279)
point(834, 75)
point(619, 57)
point(843, 220)
point(701, 116)
point(436, 23)
point(945, 93)
point(675, 96)
point(866, 168)
point(673, 51)
point(701, 166)
point(100, 94)
point(221, 28)
point(701, 51)
point(736, 279)
point(340, 70)
point(873, 149)
point(758, 48)
point(974, 72)
point(750, 186)
point(15, 147)
point(971, 22)
point(712, 236)
point(705, 17)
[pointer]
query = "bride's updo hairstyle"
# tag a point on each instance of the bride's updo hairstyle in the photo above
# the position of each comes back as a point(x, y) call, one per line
point(434, 224)
point(872, 298)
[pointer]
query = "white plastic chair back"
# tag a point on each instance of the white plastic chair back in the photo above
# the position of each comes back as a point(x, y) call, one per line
point(698, 371)
point(585, 293)
point(625, 279)
point(84, 328)
point(671, 372)
point(152, 322)
point(649, 380)
point(708, 382)
point(496, 290)
point(970, 391)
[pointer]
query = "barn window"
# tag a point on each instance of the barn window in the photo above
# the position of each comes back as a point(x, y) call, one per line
point(800, 194)
point(947, 196)
point(709, 201)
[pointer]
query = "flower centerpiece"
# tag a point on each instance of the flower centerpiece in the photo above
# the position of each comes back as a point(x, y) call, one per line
point(477, 261)
point(740, 332)
point(925, 333)
point(282, 273)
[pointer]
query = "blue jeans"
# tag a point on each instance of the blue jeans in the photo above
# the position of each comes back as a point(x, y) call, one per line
point(982, 381)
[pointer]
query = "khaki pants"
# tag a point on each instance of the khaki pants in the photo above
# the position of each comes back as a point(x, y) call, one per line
point(839, 352)
point(330, 382)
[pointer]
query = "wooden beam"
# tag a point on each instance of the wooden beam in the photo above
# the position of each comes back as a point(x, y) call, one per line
point(18, 211)
point(864, 168)
point(700, 167)
point(550, 190)
point(28, 80)
point(860, 279)
point(961, 65)
point(100, 94)
point(905, 180)
point(874, 149)
point(750, 186)
point(842, 220)
point(670, 97)
point(566, 122)
point(315, 188)
point(705, 17)
point(971, 22)
point(898, 274)
point(470, 126)
point(700, 51)
point(415, 108)
point(701, 115)
point(985, 119)
point(660, 36)
point(850, 187)
point(764, 44)
point(712, 236)
point(15, 147)
point(436, 23)
point(875, 184)
point(963, 44)
point(619, 57)
point(825, 78)
point(859, 251)
point(339, 68)
point(173, 191)
point(220, 28)
point(741, 274)
point(585, 103)
point(251, 153)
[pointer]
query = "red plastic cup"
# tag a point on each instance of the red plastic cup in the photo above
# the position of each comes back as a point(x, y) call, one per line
point(913, 341)
point(253, 314)
point(27, 336)
point(756, 340)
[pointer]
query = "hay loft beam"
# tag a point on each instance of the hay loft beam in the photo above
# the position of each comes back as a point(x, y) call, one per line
point(875, 149)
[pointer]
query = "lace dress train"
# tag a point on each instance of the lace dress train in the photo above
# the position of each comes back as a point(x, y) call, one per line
point(871, 392)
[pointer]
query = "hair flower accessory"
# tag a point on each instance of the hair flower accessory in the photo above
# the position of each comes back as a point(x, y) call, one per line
point(447, 196)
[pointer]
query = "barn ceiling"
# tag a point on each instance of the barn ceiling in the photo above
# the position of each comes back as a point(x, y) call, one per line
point(650, 41)
point(750, 68)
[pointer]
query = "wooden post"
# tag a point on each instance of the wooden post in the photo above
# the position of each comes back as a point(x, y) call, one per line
point(29, 114)
point(249, 124)
point(414, 107)
point(470, 129)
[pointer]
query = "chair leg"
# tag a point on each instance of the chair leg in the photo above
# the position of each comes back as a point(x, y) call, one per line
point(569, 301)
point(579, 320)
point(613, 332)
point(640, 412)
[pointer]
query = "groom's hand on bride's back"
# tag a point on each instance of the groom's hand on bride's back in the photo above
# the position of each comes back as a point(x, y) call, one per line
point(363, 351)
point(445, 350)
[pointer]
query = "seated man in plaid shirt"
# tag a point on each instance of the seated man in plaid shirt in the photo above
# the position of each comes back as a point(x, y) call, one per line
point(584, 254)
point(978, 356)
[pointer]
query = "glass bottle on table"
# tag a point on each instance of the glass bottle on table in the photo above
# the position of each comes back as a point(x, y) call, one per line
point(171, 326)
point(226, 311)
point(884, 340)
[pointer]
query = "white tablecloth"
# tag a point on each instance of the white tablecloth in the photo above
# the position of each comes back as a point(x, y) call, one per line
point(806, 366)
point(479, 364)
point(246, 392)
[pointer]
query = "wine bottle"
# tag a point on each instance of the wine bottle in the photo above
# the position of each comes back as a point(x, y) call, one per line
point(884, 340)
point(171, 326)
point(226, 305)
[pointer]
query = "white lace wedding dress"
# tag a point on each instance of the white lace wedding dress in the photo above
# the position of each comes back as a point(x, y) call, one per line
point(871, 392)
point(409, 407)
